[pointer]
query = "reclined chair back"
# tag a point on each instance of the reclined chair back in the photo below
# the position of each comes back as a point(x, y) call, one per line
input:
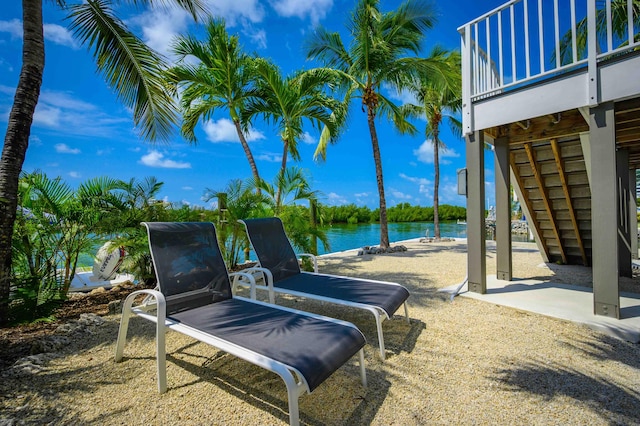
point(189, 266)
point(272, 247)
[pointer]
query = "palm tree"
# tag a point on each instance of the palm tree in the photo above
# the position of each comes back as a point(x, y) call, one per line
point(292, 185)
point(288, 102)
point(619, 22)
point(377, 55)
point(219, 81)
point(438, 103)
point(241, 203)
point(129, 67)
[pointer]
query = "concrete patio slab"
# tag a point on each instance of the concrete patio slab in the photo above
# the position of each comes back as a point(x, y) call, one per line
point(567, 302)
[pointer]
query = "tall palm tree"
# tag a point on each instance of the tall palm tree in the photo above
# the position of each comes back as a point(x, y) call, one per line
point(219, 81)
point(438, 103)
point(130, 68)
point(378, 54)
point(289, 102)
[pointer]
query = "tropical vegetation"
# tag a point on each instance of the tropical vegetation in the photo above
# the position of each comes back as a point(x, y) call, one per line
point(438, 103)
point(221, 79)
point(130, 68)
point(51, 225)
point(379, 54)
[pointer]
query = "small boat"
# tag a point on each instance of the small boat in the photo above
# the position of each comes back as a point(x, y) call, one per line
point(461, 222)
point(85, 280)
point(104, 271)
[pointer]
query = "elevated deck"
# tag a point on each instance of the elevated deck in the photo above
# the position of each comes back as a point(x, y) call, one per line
point(554, 85)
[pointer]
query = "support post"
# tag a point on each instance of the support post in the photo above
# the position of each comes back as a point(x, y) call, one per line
point(624, 230)
point(604, 210)
point(633, 213)
point(503, 210)
point(476, 245)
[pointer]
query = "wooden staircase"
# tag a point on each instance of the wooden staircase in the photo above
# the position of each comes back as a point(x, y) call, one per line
point(553, 181)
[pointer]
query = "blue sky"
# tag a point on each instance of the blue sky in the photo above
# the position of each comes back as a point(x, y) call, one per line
point(81, 131)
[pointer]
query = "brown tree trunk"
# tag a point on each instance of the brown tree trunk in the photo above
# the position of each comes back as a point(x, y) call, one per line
point(436, 183)
point(16, 140)
point(248, 154)
point(384, 229)
point(283, 167)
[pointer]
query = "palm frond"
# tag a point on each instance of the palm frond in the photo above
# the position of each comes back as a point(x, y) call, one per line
point(130, 67)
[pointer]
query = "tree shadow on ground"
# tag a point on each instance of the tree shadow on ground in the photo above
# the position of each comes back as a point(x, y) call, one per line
point(613, 349)
point(548, 380)
point(266, 391)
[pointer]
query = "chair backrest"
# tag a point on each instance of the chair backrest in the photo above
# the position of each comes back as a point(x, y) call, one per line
point(188, 264)
point(272, 246)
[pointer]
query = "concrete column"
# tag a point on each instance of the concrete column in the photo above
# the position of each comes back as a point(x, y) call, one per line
point(633, 213)
point(624, 229)
point(503, 210)
point(604, 210)
point(476, 245)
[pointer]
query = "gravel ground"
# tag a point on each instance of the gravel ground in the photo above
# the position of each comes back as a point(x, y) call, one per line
point(466, 362)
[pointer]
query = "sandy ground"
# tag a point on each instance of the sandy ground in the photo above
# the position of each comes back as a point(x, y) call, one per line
point(466, 362)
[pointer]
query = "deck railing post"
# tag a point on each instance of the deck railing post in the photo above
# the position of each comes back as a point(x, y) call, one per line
point(592, 53)
point(467, 78)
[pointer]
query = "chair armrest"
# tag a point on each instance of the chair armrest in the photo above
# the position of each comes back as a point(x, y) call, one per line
point(244, 278)
point(268, 279)
point(313, 257)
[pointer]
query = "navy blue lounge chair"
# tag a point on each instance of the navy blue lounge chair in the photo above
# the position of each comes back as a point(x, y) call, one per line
point(194, 297)
point(280, 266)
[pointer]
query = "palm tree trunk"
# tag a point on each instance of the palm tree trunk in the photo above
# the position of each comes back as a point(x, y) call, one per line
point(384, 230)
point(283, 167)
point(436, 184)
point(249, 155)
point(16, 140)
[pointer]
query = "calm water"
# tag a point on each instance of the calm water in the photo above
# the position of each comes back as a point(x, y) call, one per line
point(344, 237)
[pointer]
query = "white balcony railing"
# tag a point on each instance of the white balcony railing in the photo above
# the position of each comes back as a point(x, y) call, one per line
point(526, 41)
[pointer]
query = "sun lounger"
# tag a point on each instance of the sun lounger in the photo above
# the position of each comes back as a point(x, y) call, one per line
point(278, 262)
point(194, 297)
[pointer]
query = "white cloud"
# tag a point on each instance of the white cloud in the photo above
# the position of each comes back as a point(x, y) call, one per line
point(421, 181)
point(316, 10)
point(187, 188)
point(424, 185)
point(270, 157)
point(424, 153)
point(336, 199)
point(224, 130)
point(258, 37)
point(156, 159)
point(400, 195)
point(308, 139)
point(70, 115)
point(161, 25)
point(52, 32)
point(13, 27)
point(63, 148)
point(235, 11)
point(47, 116)
point(74, 175)
point(361, 194)
point(405, 97)
point(59, 35)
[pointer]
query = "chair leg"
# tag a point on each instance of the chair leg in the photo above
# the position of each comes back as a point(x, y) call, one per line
point(406, 313)
point(380, 335)
point(363, 371)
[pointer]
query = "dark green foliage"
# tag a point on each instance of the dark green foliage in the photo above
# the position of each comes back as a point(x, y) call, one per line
point(403, 212)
